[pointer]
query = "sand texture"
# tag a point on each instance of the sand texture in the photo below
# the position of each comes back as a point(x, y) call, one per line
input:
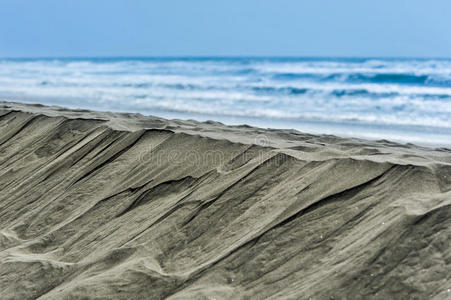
point(121, 206)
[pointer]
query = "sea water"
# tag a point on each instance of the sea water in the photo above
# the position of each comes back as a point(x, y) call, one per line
point(405, 100)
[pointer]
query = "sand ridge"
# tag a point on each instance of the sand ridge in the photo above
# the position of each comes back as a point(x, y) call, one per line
point(107, 205)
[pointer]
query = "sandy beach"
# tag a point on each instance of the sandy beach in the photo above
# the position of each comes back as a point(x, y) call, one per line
point(98, 205)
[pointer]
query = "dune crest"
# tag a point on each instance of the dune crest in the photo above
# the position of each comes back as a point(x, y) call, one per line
point(105, 205)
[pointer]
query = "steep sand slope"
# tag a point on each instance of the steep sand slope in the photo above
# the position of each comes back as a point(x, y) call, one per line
point(121, 206)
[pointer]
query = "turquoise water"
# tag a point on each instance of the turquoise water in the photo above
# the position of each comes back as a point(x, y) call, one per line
point(407, 100)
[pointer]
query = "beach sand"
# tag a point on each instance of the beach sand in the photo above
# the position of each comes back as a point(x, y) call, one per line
point(97, 205)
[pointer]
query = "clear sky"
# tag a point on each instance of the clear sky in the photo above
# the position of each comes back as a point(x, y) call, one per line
point(419, 28)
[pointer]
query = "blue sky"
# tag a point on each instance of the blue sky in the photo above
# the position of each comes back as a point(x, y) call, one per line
point(416, 28)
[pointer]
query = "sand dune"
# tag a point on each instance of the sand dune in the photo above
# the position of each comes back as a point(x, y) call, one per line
point(122, 206)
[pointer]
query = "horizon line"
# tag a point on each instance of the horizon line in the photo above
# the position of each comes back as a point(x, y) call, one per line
point(221, 56)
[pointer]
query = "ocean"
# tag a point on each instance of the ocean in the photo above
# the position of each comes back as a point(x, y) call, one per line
point(405, 100)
